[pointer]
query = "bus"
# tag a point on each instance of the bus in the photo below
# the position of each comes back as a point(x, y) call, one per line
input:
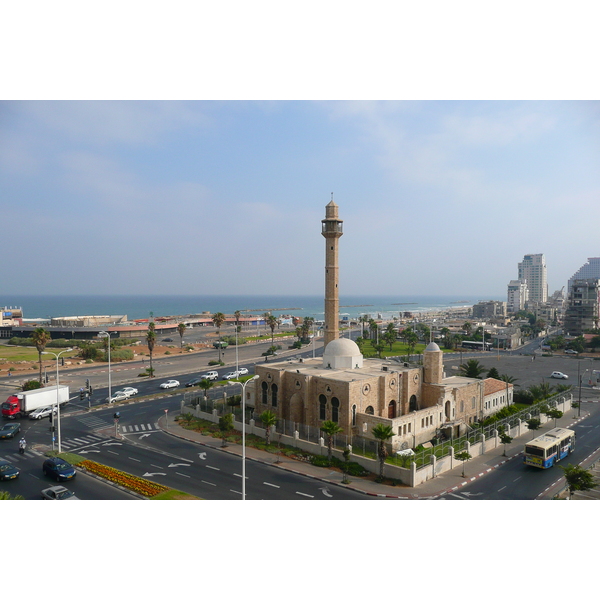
point(471, 345)
point(549, 448)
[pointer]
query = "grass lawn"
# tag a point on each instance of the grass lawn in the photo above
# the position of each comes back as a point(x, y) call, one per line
point(16, 353)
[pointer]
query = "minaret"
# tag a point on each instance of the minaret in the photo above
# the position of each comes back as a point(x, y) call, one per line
point(332, 231)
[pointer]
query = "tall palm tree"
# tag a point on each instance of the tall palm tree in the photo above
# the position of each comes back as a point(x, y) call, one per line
point(218, 319)
point(205, 385)
point(411, 339)
point(382, 433)
point(181, 329)
point(237, 314)
point(330, 428)
point(40, 338)
point(268, 418)
point(151, 341)
point(467, 328)
point(272, 322)
point(472, 368)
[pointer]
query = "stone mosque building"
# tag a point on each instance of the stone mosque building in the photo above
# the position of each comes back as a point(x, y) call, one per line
point(418, 401)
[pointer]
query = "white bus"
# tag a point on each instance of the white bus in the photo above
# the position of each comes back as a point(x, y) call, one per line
point(549, 448)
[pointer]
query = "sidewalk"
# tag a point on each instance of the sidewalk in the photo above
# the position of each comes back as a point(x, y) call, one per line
point(434, 488)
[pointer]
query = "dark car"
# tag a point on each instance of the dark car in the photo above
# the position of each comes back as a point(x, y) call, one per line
point(8, 431)
point(58, 468)
point(192, 382)
point(167, 339)
point(8, 470)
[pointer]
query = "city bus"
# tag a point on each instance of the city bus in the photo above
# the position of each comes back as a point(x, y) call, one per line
point(471, 345)
point(549, 448)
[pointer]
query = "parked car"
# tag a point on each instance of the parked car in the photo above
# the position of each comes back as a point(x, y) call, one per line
point(571, 351)
point(172, 383)
point(8, 431)
point(58, 468)
point(193, 382)
point(129, 391)
point(43, 411)
point(8, 470)
point(212, 375)
point(117, 396)
point(243, 371)
point(559, 375)
point(58, 492)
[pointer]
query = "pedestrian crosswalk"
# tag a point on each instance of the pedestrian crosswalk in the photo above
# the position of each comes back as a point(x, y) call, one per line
point(139, 428)
point(80, 441)
point(15, 458)
point(93, 422)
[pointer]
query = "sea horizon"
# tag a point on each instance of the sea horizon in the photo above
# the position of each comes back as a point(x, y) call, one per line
point(140, 306)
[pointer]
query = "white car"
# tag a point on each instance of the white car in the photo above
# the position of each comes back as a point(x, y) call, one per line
point(243, 371)
point(559, 375)
point(212, 375)
point(58, 492)
point(172, 383)
point(231, 375)
point(570, 351)
point(117, 396)
point(44, 411)
point(129, 391)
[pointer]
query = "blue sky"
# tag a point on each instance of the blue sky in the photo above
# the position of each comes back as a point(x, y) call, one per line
point(437, 197)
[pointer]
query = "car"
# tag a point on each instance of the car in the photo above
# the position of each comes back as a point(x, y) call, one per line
point(58, 468)
point(8, 470)
point(58, 492)
point(212, 375)
point(559, 375)
point(8, 431)
point(167, 340)
point(231, 375)
point(570, 351)
point(243, 371)
point(43, 411)
point(129, 391)
point(193, 382)
point(172, 383)
point(117, 396)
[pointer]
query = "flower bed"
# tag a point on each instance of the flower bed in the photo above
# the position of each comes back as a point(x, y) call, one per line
point(131, 482)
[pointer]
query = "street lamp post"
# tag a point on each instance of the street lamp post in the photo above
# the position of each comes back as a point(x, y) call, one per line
point(57, 398)
point(106, 334)
point(244, 432)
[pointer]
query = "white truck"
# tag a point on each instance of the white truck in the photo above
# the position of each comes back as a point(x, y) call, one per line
point(21, 404)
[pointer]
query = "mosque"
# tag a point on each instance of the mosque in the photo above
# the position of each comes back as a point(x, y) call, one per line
point(418, 401)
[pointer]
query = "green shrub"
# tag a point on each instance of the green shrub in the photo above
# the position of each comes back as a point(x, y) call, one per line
point(32, 384)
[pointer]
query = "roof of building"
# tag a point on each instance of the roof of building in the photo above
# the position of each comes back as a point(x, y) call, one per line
point(432, 347)
point(491, 385)
point(342, 347)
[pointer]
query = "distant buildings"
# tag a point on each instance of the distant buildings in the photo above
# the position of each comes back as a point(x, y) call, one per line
point(490, 310)
point(518, 294)
point(583, 308)
point(532, 271)
point(590, 270)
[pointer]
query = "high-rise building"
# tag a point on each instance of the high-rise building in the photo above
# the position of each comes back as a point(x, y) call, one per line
point(517, 295)
point(533, 270)
point(590, 270)
point(583, 309)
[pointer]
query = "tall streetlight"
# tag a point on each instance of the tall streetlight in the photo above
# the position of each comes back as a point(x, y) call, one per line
point(244, 431)
point(57, 399)
point(106, 334)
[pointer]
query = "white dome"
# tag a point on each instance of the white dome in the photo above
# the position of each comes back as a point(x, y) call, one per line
point(433, 347)
point(342, 353)
point(342, 347)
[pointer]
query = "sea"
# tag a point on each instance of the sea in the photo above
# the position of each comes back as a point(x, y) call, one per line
point(147, 306)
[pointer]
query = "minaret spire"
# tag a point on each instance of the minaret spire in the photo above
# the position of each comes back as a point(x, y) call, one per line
point(331, 230)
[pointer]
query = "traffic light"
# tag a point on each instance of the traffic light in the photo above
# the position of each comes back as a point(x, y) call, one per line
point(116, 416)
point(51, 417)
point(81, 394)
point(90, 390)
point(87, 384)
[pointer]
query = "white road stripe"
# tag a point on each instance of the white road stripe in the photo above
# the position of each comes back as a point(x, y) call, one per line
point(307, 495)
point(213, 468)
point(271, 484)
point(131, 458)
point(208, 482)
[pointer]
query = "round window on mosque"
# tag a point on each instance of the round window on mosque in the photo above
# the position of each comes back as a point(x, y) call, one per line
point(366, 389)
point(416, 377)
point(298, 384)
point(392, 383)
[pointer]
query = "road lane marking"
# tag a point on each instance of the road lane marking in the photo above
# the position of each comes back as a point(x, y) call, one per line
point(307, 495)
point(271, 484)
point(501, 488)
point(208, 482)
point(236, 492)
point(113, 452)
point(213, 468)
point(136, 460)
point(178, 473)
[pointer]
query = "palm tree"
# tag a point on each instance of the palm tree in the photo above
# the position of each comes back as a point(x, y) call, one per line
point(411, 339)
point(467, 328)
point(151, 341)
point(205, 385)
point(218, 319)
point(508, 379)
point(382, 433)
point(181, 330)
point(330, 428)
point(237, 314)
point(471, 368)
point(272, 322)
point(268, 418)
point(40, 338)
